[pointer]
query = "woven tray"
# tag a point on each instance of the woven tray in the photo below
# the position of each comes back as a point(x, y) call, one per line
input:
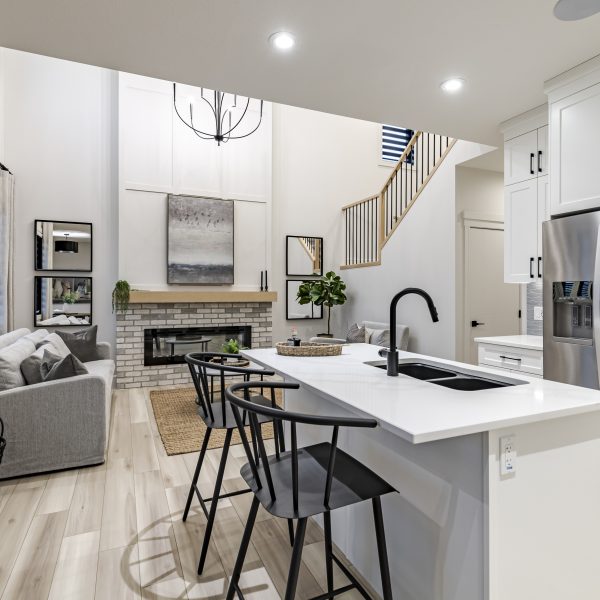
point(309, 349)
point(231, 363)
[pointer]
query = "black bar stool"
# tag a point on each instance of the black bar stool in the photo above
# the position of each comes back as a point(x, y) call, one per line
point(305, 482)
point(218, 415)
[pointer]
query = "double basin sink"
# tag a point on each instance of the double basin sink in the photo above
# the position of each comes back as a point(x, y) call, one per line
point(455, 379)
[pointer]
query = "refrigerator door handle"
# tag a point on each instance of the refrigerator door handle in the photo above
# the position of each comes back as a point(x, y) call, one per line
point(596, 304)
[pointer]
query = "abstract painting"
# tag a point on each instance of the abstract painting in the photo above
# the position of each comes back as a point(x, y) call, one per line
point(200, 240)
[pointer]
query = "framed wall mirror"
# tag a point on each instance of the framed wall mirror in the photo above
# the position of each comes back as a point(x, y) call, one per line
point(62, 301)
point(295, 311)
point(62, 246)
point(303, 256)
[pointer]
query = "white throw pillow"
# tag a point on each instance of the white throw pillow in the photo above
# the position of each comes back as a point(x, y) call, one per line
point(380, 337)
point(12, 336)
point(11, 358)
point(36, 336)
point(57, 343)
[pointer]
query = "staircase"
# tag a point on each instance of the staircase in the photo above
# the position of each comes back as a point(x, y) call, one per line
point(371, 222)
point(312, 247)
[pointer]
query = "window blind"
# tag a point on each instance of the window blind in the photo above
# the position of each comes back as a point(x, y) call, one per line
point(394, 141)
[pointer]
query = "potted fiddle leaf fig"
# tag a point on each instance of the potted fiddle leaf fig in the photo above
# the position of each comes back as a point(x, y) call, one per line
point(327, 291)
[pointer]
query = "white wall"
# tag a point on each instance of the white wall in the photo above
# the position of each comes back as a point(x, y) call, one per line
point(159, 155)
point(421, 253)
point(320, 163)
point(59, 141)
point(480, 192)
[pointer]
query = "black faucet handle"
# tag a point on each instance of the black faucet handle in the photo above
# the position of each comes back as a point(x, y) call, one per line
point(383, 352)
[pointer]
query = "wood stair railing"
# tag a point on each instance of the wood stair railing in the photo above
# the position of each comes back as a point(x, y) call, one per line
point(371, 222)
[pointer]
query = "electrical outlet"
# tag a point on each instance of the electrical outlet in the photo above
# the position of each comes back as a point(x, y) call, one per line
point(538, 313)
point(508, 455)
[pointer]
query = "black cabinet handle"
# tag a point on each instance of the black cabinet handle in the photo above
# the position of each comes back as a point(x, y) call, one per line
point(539, 266)
point(531, 163)
point(476, 323)
point(531, 267)
point(510, 358)
point(539, 161)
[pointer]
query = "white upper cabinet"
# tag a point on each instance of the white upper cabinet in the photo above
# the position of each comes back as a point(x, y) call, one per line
point(575, 129)
point(526, 194)
point(520, 158)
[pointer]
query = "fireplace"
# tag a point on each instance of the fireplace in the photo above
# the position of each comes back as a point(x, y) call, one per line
point(169, 346)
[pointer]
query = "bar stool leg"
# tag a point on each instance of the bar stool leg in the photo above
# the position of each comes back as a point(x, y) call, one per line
point(384, 566)
point(290, 590)
point(215, 501)
point(291, 531)
point(194, 485)
point(328, 553)
point(239, 562)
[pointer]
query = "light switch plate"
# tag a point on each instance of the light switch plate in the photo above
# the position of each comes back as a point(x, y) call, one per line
point(538, 313)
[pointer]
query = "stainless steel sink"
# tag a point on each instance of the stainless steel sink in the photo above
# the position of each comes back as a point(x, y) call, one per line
point(453, 378)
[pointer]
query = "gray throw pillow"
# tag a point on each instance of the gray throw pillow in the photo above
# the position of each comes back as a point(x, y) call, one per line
point(49, 359)
point(82, 343)
point(356, 334)
point(31, 367)
point(380, 337)
point(69, 366)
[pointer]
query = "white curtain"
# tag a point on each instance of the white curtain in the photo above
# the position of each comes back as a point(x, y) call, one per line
point(7, 209)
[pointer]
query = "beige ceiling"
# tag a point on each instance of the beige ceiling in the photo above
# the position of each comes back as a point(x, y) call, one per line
point(380, 60)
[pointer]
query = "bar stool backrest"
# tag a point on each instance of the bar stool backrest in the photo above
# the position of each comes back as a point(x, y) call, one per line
point(278, 415)
point(202, 363)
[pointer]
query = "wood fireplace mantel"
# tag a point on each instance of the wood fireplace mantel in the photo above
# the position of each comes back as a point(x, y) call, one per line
point(169, 296)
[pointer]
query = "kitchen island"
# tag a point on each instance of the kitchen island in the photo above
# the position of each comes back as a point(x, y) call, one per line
point(459, 529)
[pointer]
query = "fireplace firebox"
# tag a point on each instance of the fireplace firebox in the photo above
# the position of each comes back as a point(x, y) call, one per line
point(169, 346)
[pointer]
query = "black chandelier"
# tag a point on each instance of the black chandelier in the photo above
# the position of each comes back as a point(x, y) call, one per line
point(221, 110)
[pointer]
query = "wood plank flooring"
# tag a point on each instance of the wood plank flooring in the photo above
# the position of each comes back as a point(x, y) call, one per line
point(114, 532)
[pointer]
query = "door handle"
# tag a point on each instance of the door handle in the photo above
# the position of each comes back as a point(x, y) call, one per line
point(539, 161)
point(531, 164)
point(476, 323)
point(539, 266)
point(531, 267)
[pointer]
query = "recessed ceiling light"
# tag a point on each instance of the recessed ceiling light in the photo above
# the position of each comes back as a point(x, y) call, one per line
point(453, 85)
point(573, 10)
point(282, 40)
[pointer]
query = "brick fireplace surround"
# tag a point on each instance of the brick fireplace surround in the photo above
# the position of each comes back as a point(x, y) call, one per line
point(131, 372)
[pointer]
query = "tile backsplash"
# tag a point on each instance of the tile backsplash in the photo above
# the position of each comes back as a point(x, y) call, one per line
point(534, 298)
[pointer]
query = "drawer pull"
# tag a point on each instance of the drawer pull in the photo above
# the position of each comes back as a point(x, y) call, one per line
point(510, 358)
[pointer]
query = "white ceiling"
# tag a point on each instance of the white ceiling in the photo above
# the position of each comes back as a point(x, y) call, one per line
point(380, 60)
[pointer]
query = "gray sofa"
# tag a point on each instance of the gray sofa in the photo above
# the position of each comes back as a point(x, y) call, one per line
point(58, 424)
point(402, 334)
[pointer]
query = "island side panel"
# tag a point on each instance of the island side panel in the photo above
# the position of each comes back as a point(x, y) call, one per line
point(434, 526)
point(544, 520)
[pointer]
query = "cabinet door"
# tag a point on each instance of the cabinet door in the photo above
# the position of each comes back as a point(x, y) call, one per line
point(520, 232)
point(575, 176)
point(542, 152)
point(520, 158)
point(543, 196)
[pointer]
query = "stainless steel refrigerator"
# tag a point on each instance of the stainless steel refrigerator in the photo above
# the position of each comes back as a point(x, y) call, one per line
point(571, 248)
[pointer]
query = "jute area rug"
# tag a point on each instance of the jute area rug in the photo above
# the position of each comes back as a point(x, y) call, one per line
point(180, 426)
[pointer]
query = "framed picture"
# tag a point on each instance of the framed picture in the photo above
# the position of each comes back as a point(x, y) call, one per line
point(303, 255)
point(295, 311)
point(200, 240)
point(62, 301)
point(62, 246)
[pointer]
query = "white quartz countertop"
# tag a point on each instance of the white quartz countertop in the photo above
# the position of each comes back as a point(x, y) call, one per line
point(530, 342)
point(420, 411)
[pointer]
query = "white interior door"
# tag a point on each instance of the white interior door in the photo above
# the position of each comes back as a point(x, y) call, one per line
point(491, 306)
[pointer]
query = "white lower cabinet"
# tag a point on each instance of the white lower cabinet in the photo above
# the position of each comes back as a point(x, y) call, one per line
point(511, 358)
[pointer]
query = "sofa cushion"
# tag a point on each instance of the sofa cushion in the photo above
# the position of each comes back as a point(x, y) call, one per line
point(12, 336)
point(31, 367)
point(356, 334)
point(59, 347)
point(37, 336)
point(82, 343)
point(11, 358)
point(69, 366)
point(380, 337)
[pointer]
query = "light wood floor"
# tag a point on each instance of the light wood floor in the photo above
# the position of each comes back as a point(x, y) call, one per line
point(115, 531)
